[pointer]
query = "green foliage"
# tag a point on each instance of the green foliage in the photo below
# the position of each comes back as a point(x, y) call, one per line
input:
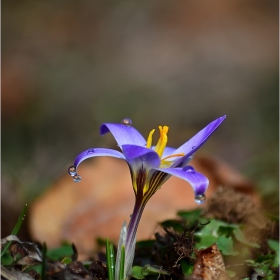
point(238, 233)
point(194, 230)
point(225, 245)
point(224, 235)
point(191, 218)
point(178, 226)
point(139, 272)
point(187, 267)
point(266, 265)
point(65, 250)
point(274, 246)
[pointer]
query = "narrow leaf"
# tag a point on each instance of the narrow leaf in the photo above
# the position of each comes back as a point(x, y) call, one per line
point(122, 261)
point(109, 256)
point(16, 228)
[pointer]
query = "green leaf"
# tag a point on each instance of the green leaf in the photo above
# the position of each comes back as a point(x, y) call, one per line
point(152, 269)
point(6, 259)
point(217, 228)
point(238, 233)
point(227, 230)
point(187, 267)
point(175, 224)
point(145, 244)
point(230, 273)
point(262, 270)
point(262, 266)
point(205, 241)
point(225, 245)
point(191, 217)
point(60, 252)
point(66, 260)
point(274, 246)
point(139, 272)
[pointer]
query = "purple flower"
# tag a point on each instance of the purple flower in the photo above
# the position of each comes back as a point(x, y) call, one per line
point(150, 166)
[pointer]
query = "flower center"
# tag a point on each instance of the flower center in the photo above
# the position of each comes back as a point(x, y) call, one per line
point(162, 141)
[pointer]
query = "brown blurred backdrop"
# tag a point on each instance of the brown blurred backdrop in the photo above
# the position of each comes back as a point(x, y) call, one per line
point(68, 66)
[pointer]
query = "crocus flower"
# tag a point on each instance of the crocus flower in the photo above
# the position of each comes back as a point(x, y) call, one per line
point(150, 166)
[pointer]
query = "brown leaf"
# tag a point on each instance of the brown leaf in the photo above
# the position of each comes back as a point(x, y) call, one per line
point(98, 270)
point(98, 205)
point(24, 253)
point(209, 265)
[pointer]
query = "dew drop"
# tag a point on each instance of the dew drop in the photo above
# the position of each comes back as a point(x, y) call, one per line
point(77, 178)
point(111, 255)
point(127, 121)
point(72, 171)
point(193, 147)
point(200, 199)
point(112, 266)
point(189, 169)
point(90, 151)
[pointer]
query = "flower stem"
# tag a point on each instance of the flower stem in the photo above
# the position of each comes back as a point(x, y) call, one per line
point(131, 233)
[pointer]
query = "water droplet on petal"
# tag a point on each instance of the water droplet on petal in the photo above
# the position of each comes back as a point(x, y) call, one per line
point(193, 147)
point(200, 199)
point(72, 171)
point(189, 169)
point(90, 151)
point(77, 178)
point(127, 121)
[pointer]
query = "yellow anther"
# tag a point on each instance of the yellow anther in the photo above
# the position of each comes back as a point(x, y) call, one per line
point(165, 129)
point(150, 138)
point(161, 144)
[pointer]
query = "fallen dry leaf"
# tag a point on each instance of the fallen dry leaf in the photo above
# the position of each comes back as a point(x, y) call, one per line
point(98, 205)
point(209, 265)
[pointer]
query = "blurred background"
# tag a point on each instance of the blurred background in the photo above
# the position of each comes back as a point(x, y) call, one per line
point(68, 66)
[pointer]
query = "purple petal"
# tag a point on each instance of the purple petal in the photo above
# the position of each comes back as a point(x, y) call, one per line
point(138, 156)
point(124, 134)
point(197, 141)
point(96, 152)
point(198, 181)
point(167, 152)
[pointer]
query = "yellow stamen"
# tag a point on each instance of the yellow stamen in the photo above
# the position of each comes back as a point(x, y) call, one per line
point(175, 155)
point(150, 138)
point(161, 144)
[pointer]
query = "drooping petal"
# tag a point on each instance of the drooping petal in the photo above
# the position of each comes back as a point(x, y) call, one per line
point(198, 181)
point(197, 141)
point(97, 152)
point(124, 134)
point(138, 156)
